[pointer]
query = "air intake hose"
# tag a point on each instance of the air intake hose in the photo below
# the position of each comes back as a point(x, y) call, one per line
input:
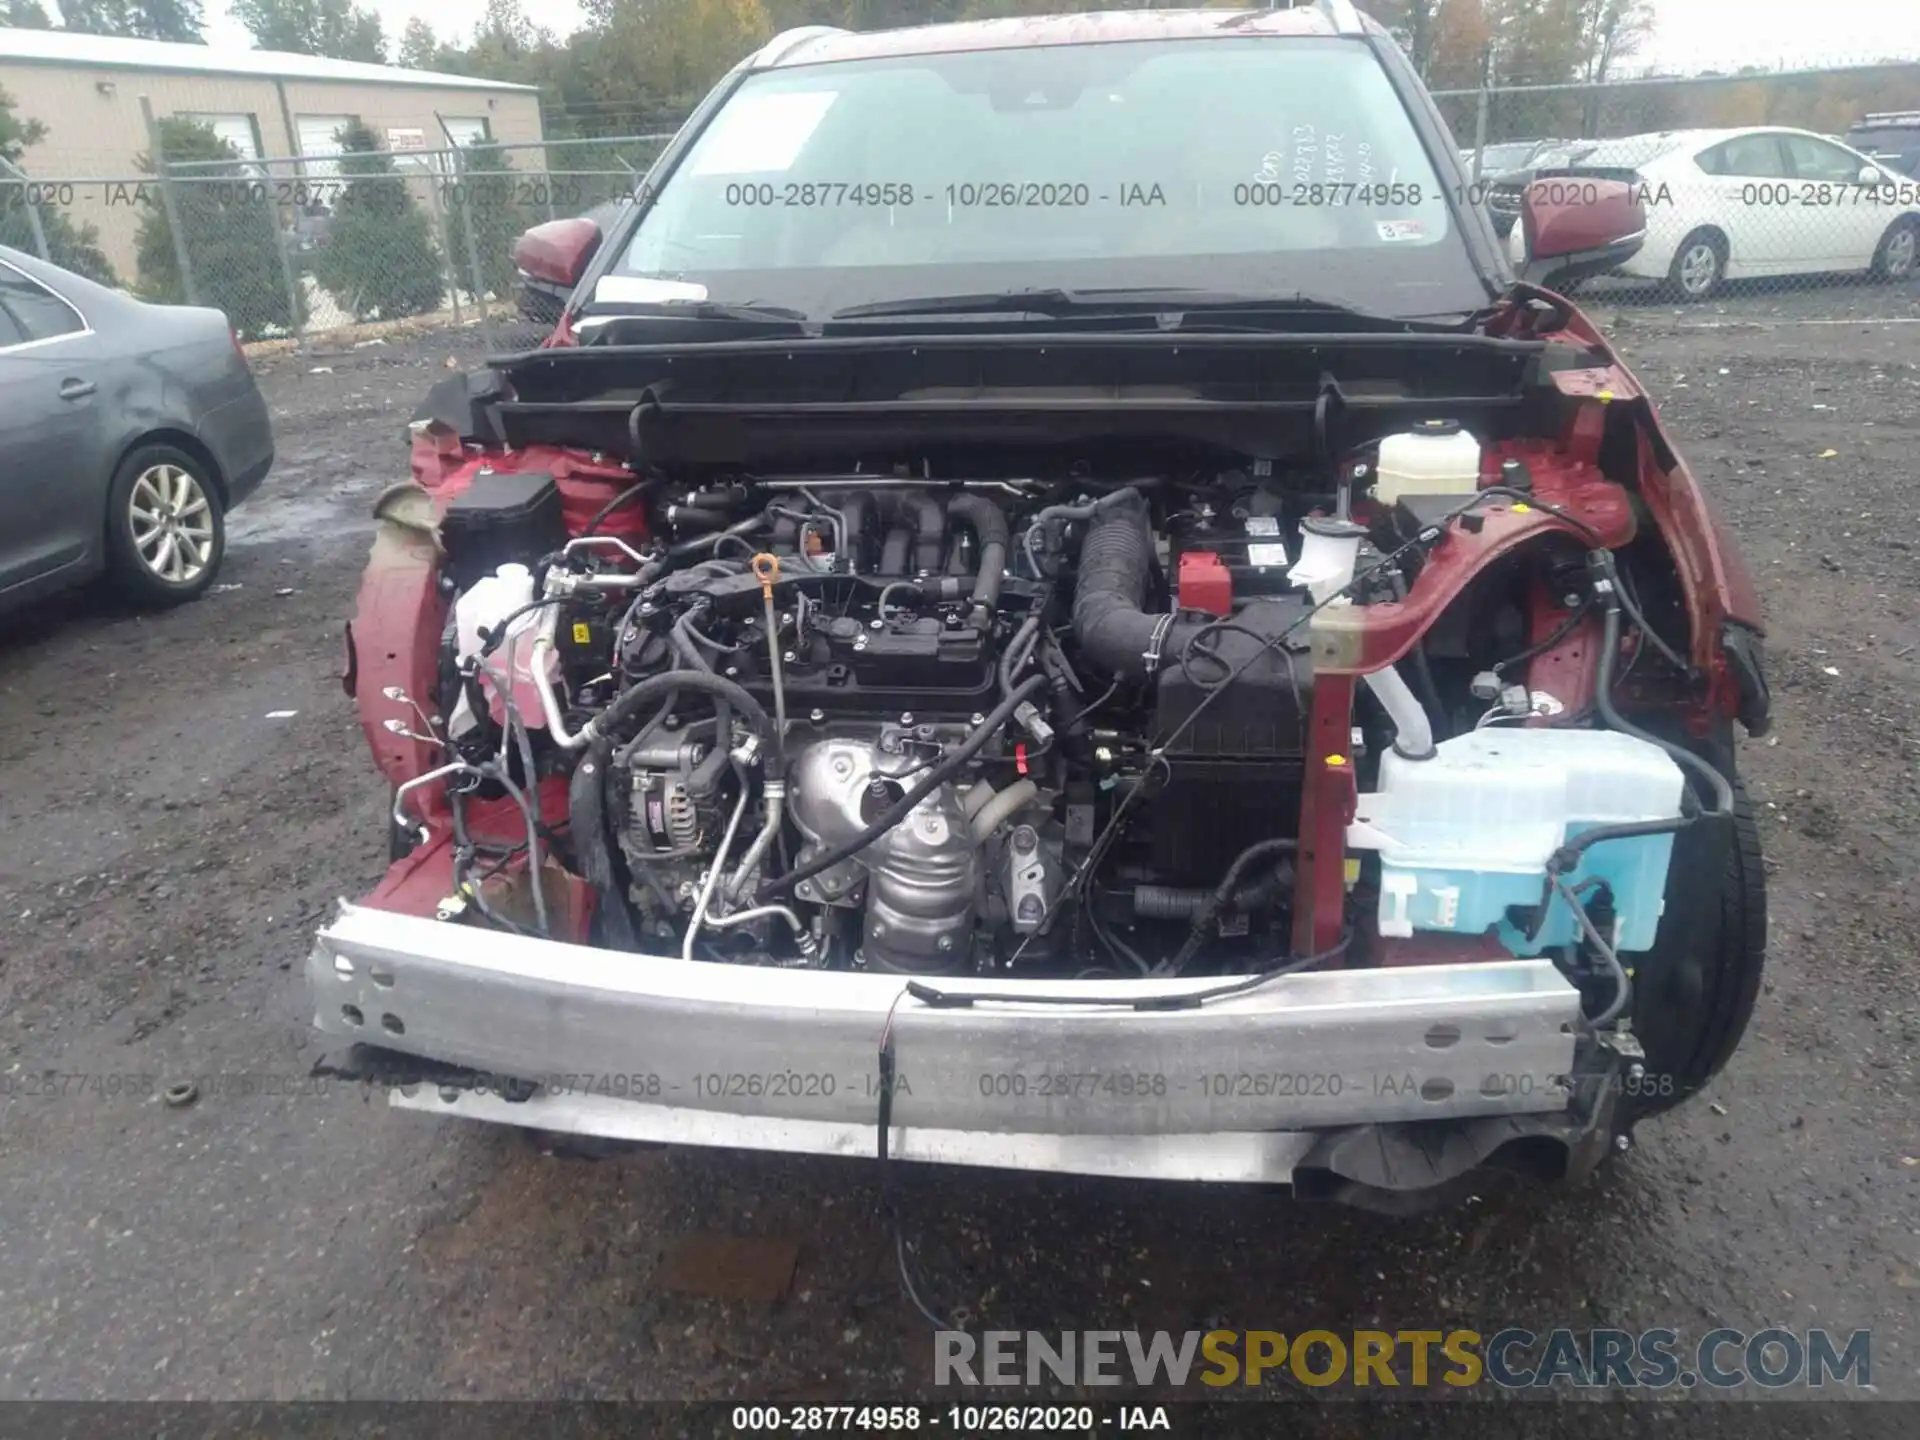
point(1113, 631)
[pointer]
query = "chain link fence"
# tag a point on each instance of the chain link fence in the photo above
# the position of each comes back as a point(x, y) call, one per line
point(326, 246)
point(1735, 204)
point(372, 236)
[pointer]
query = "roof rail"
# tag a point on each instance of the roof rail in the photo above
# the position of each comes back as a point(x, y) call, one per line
point(1889, 117)
point(1340, 14)
point(787, 41)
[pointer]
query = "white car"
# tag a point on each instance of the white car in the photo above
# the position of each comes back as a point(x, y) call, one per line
point(1738, 204)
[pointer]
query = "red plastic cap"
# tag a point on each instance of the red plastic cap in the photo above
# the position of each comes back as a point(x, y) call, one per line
point(1205, 583)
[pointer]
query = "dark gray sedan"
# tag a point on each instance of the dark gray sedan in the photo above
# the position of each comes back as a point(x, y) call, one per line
point(127, 431)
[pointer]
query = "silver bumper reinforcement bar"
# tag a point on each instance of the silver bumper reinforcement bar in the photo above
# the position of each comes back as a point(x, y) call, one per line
point(655, 1048)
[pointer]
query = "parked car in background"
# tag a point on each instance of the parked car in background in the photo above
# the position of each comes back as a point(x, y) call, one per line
point(1504, 188)
point(1505, 156)
point(1573, 226)
point(1892, 138)
point(1737, 204)
point(129, 431)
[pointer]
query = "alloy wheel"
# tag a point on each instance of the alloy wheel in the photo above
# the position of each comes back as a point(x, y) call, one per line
point(172, 523)
point(1902, 248)
point(1699, 268)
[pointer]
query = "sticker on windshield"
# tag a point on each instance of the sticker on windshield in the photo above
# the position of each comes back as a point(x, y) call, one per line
point(1391, 230)
point(642, 290)
point(761, 134)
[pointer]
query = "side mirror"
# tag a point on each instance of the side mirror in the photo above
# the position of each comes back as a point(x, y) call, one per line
point(1870, 175)
point(1575, 225)
point(557, 252)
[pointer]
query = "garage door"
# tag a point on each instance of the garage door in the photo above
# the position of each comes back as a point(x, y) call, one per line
point(237, 130)
point(320, 136)
point(467, 132)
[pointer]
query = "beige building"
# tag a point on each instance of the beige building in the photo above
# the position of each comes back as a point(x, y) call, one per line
point(87, 91)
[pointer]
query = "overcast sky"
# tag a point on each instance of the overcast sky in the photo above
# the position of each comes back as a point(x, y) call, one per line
point(1689, 35)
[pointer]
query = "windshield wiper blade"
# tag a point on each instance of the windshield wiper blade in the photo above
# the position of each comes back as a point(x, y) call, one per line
point(608, 312)
point(1054, 301)
point(1050, 301)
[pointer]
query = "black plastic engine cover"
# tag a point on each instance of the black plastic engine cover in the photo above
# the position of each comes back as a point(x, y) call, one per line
point(1237, 769)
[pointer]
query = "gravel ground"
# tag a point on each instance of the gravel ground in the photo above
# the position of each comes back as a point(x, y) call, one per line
point(167, 850)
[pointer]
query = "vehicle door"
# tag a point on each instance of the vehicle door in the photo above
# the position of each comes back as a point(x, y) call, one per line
point(52, 488)
point(1747, 193)
point(1851, 218)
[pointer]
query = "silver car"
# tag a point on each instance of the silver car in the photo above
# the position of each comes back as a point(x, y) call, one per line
point(127, 432)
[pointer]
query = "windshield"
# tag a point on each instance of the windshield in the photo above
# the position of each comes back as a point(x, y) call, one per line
point(1272, 168)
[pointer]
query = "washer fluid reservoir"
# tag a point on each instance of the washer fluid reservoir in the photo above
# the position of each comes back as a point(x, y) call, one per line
point(1436, 457)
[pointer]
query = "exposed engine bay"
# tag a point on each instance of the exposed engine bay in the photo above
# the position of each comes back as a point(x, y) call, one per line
point(1051, 725)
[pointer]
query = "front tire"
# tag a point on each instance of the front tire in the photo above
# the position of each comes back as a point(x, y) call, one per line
point(1694, 991)
point(1699, 266)
point(166, 527)
point(1898, 258)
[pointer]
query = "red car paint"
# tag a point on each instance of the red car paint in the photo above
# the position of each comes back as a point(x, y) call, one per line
point(1715, 583)
point(557, 251)
point(394, 640)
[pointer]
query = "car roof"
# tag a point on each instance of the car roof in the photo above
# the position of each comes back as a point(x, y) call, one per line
point(1712, 137)
point(818, 45)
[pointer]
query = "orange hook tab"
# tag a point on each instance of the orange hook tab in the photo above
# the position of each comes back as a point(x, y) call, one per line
point(767, 568)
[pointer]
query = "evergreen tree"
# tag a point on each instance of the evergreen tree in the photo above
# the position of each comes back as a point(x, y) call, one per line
point(335, 28)
point(177, 20)
point(230, 228)
point(485, 192)
point(379, 260)
point(77, 247)
point(24, 15)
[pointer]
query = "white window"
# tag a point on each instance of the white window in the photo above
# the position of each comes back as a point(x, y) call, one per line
point(320, 143)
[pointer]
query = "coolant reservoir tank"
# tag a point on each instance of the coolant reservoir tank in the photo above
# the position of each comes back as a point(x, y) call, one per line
point(1436, 457)
point(491, 599)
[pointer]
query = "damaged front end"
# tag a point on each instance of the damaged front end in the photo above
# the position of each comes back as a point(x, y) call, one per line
point(1274, 758)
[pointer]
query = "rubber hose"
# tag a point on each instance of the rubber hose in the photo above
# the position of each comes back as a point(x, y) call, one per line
point(1603, 700)
point(634, 699)
point(592, 846)
point(1003, 806)
point(1112, 629)
point(1175, 902)
point(693, 521)
point(1224, 895)
point(932, 780)
point(707, 775)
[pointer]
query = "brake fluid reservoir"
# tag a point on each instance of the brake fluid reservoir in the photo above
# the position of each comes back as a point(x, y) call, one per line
point(1464, 837)
point(1436, 457)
